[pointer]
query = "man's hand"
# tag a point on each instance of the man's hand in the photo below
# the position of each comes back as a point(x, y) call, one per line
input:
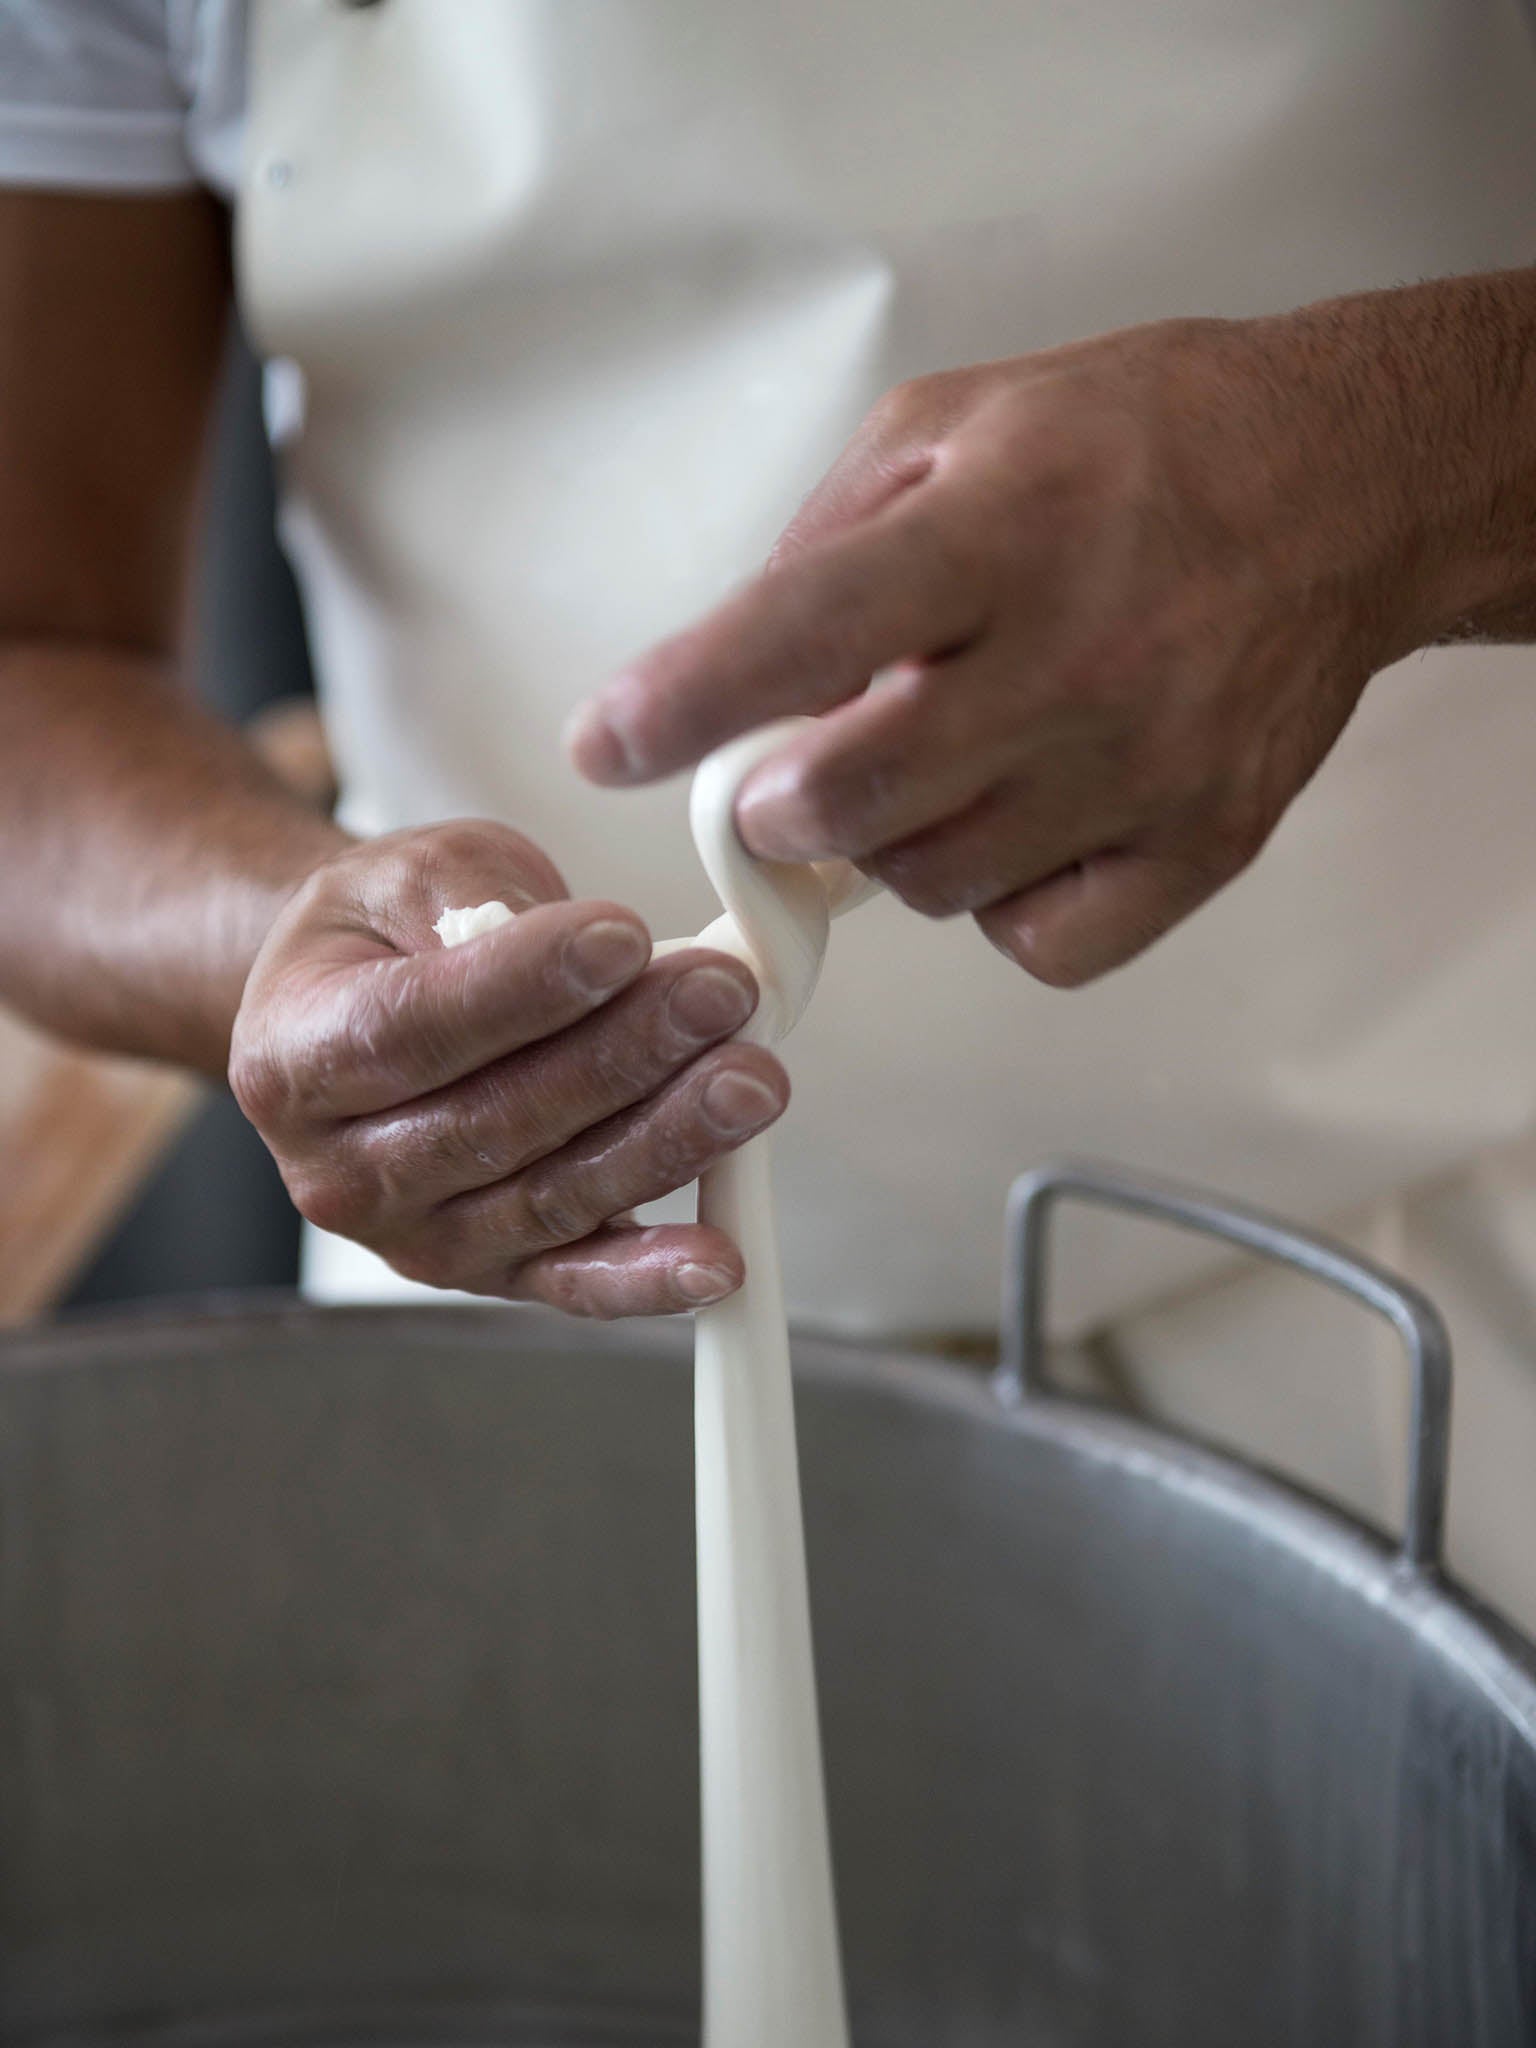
point(1129, 592)
point(484, 1116)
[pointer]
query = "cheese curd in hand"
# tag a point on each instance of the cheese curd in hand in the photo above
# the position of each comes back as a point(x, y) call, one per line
point(454, 927)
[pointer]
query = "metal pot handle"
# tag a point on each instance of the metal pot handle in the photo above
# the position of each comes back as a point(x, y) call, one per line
point(1415, 1318)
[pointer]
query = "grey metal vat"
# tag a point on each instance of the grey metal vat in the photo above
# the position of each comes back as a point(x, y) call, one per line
point(347, 1695)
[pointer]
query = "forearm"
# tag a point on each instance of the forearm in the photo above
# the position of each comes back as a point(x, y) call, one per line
point(144, 852)
point(1420, 407)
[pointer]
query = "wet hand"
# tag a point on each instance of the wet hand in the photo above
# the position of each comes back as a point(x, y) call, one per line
point(1124, 595)
point(486, 1116)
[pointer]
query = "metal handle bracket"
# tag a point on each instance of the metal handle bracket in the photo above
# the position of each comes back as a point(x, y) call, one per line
point(1417, 1321)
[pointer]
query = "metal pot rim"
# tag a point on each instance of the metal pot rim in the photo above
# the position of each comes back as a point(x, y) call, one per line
point(1484, 1648)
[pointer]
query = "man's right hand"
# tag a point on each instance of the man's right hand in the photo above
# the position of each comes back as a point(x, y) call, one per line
point(485, 1116)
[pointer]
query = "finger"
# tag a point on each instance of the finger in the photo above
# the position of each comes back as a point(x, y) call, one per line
point(362, 1035)
point(1012, 838)
point(911, 752)
point(626, 1270)
point(1099, 914)
point(802, 638)
point(647, 1152)
point(517, 1110)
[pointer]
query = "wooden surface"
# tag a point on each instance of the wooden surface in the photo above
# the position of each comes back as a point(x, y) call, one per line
point(79, 1136)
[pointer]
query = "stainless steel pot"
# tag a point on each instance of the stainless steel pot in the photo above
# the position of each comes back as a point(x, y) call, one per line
point(347, 1694)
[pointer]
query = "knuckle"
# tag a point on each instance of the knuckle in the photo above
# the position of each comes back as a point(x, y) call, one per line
point(559, 1286)
point(910, 406)
point(385, 1168)
point(459, 857)
point(445, 1249)
point(522, 1110)
point(553, 1210)
point(898, 407)
point(430, 1267)
point(680, 1147)
point(386, 871)
point(435, 1157)
point(510, 861)
point(317, 895)
point(367, 1181)
point(464, 840)
point(436, 1153)
point(329, 1201)
point(261, 1083)
point(566, 1286)
point(680, 1150)
point(314, 1084)
point(621, 1066)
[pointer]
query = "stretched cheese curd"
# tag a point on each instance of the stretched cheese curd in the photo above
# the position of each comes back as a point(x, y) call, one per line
point(772, 1963)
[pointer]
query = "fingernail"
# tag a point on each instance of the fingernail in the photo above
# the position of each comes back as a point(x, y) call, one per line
point(595, 740)
point(704, 1283)
point(602, 955)
point(737, 1103)
point(707, 1001)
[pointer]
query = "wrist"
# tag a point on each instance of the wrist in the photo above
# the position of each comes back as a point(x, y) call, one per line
point(147, 850)
point(237, 919)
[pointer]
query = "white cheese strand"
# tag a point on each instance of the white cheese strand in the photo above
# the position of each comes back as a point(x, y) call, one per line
point(772, 1964)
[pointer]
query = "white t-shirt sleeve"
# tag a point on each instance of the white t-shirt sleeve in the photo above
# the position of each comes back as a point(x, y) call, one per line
point(90, 97)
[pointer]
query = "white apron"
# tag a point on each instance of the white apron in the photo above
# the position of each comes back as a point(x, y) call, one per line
point(586, 294)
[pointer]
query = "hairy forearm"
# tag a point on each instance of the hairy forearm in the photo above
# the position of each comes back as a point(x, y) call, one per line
point(1421, 403)
point(144, 852)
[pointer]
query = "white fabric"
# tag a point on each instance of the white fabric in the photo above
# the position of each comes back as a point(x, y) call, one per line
point(615, 286)
point(586, 296)
point(122, 95)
